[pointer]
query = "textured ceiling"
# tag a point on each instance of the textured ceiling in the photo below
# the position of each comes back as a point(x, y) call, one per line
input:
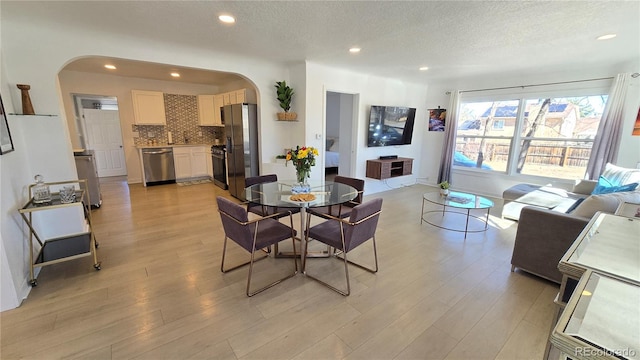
point(453, 38)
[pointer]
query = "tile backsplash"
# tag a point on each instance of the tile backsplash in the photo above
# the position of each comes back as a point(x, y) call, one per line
point(182, 120)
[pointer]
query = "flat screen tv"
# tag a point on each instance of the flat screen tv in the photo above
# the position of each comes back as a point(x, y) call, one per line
point(390, 125)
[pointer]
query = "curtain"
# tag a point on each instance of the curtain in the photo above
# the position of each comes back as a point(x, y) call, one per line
point(607, 140)
point(448, 147)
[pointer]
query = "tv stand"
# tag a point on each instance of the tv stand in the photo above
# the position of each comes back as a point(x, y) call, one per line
point(387, 168)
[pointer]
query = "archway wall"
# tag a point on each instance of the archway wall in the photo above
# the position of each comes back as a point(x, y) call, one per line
point(34, 54)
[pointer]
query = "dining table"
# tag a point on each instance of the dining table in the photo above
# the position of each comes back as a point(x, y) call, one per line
point(279, 195)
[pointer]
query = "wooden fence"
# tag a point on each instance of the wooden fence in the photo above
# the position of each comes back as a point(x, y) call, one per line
point(568, 155)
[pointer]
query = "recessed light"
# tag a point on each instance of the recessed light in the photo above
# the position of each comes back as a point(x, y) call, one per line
point(110, 67)
point(227, 19)
point(354, 50)
point(423, 68)
point(606, 37)
point(175, 74)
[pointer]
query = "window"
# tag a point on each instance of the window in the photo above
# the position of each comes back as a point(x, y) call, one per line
point(541, 136)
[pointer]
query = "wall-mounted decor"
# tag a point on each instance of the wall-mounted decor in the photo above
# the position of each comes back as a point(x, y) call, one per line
point(636, 127)
point(437, 119)
point(6, 144)
point(27, 106)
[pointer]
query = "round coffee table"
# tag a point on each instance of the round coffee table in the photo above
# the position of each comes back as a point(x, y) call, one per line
point(457, 200)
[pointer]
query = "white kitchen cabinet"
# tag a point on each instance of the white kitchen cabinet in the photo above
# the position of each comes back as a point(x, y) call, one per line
point(182, 162)
point(226, 98)
point(241, 96)
point(209, 164)
point(191, 162)
point(218, 102)
point(209, 110)
point(199, 157)
point(148, 107)
point(206, 113)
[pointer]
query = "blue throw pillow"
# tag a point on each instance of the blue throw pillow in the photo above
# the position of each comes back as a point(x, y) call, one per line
point(604, 189)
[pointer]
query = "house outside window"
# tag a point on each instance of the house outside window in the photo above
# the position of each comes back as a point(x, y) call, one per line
point(537, 136)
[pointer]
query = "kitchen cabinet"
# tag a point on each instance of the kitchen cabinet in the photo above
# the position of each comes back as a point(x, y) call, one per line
point(218, 103)
point(191, 162)
point(209, 165)
point(148, 107)
point(209, 110)
point(199, 157)
point(240, 96)
point(182, 162)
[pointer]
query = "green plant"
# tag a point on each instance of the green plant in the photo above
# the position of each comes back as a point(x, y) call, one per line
point(444, 185)
point(281, 156)
point(285, 93)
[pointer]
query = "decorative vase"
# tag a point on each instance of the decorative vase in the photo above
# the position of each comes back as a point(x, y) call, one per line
point(27, 106)
point(301, 186)
point(444, 192)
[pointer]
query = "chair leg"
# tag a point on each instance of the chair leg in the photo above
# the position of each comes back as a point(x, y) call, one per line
point(346, 269)
point(224, 252)
point(375, 258)
point(249, 293)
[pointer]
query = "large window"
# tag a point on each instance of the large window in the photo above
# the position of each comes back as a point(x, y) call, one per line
point(546, 136)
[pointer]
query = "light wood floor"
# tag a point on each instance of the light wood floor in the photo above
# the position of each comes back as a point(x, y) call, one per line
point(161, 295)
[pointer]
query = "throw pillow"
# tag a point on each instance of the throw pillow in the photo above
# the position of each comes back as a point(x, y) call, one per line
point(328, 144)
point(617, 175)
point(605, 202)
point(605, 186)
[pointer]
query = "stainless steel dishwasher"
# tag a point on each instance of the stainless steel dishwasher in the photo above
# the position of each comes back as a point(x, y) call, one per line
point(158, 166)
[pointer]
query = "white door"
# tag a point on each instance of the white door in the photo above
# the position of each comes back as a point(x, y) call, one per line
point(104, 137)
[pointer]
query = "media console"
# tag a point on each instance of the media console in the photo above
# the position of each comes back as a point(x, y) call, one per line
point(388, 168)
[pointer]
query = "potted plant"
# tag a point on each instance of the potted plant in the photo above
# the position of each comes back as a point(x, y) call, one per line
point(444, 188)
point(285, 94)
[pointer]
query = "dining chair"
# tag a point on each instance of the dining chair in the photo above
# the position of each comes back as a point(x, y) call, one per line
point(345, 235)
point(264, 210)
point(253, 236)
point(344, 210)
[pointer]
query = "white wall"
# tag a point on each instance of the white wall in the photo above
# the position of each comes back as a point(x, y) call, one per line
point(494, 184)
point(41, 147)
point(60, 45)
point(372, 91)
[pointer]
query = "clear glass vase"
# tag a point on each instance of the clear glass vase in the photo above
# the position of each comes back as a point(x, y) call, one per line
point(301, 186)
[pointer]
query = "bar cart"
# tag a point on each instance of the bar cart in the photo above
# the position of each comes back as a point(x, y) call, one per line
point(61, 248)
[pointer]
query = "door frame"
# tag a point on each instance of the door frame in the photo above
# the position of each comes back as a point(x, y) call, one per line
point(353, 141)
point(107, 101)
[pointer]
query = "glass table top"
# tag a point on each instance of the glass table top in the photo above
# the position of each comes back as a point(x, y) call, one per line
point(610, 245)
point(606, 314)
point(279, 194)
point(459, 200)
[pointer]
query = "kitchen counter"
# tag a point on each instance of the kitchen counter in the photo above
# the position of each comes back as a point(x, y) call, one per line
point(167, 145)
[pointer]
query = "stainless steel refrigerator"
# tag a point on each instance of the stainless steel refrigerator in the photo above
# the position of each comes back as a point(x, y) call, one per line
point(241, 132)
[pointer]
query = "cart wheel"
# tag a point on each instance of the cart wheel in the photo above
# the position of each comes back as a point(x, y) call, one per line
point(33, 282)
point(97, 266)
point(97, 245)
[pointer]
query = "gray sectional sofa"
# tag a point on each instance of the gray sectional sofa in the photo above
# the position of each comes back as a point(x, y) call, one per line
point(546, 231)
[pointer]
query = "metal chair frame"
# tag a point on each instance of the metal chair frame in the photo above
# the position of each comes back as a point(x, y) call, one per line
point(343, 222)
point(250, 262)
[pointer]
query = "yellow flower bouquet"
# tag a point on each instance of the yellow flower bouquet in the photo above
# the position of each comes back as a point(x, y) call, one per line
point(303, 158)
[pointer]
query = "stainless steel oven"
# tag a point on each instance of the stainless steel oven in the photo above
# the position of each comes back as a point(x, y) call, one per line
point(218, 158)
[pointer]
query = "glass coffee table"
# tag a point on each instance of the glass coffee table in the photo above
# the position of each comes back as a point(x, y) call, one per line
point(460, 201)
